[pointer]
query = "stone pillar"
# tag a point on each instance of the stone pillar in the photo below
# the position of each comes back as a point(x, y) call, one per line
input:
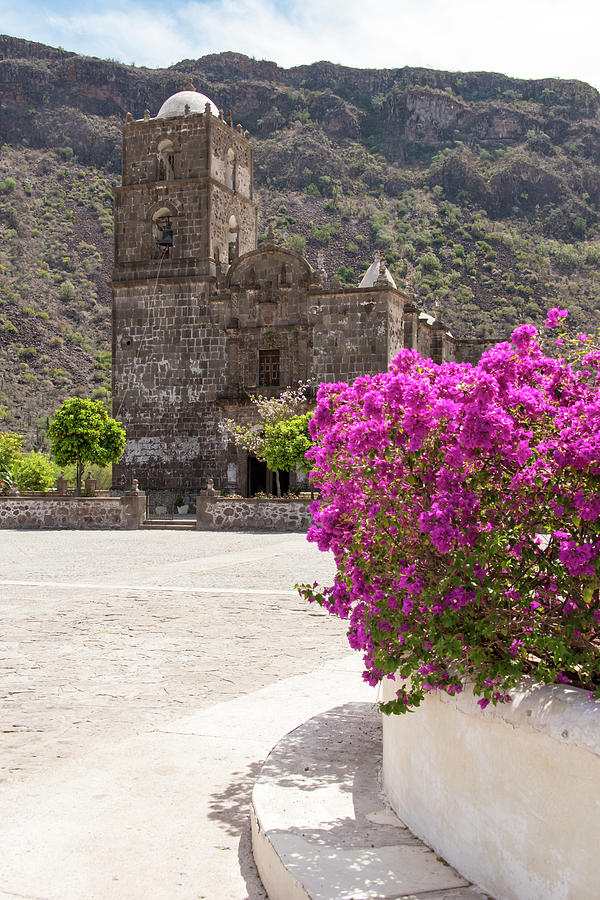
point(61, 484)
point(90, 485)
point(134, 506)
point(204, 500)
point(411, 326)
point(437, 341)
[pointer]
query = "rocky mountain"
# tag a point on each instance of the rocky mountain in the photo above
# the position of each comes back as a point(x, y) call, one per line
point(483, 190)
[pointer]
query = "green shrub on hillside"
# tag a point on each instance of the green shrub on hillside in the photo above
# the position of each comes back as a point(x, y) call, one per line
point(297, 243)
point(346, 275)
point(27, 353)
point(67, 290)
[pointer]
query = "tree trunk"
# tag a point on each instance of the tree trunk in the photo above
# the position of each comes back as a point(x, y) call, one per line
point(79, 477)
point(277, 482)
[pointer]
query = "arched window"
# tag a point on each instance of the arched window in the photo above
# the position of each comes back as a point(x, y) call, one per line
point(166, 161)
point(230, 169)
point(162, 234)
point(233, 236)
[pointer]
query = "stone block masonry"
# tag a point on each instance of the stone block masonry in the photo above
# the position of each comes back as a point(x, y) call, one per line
point(167, 374)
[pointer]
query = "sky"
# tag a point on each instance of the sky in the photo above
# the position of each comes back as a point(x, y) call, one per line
point(522, 38)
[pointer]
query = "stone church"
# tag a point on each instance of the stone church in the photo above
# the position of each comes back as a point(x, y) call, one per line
point(203, 316)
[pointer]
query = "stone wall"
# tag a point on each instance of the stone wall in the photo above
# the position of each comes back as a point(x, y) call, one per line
point(225, 203)
point(395, 329)
point(235, 514)
point(471, 350)
point(49, 511)
point(223, 139)
point(169, 367)
point(267, 310)
point(349, 332)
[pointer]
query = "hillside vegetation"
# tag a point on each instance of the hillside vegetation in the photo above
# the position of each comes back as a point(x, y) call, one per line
point(484, 192)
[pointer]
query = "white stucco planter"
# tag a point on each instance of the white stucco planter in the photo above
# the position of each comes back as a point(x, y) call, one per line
point(509, 796)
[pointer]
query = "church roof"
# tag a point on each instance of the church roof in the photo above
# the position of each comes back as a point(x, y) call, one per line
point(175, 105)
point(372, 274)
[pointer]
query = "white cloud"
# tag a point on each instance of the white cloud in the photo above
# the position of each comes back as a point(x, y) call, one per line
point(525, 38)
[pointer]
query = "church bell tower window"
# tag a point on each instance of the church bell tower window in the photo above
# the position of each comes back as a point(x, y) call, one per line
point(162, 234)
point(230, 169)
point(233, 239)
point(166, 161)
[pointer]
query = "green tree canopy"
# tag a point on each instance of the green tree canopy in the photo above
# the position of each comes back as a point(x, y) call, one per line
point(287, 442)
point(83, 432)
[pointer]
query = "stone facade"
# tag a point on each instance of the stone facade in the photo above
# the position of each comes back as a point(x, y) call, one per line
point(202, 317)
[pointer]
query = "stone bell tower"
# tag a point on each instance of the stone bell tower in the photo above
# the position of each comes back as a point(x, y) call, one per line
point(184, 212)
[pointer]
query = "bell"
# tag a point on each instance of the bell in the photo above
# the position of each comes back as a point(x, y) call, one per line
point(166, 238)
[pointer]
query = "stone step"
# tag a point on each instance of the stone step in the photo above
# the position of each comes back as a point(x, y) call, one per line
point(322, 829)
point(175, 524)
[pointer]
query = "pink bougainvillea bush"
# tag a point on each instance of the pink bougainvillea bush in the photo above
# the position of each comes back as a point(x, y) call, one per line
point(462, 507)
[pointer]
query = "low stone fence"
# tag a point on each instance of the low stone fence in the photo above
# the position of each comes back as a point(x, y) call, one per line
point(252, 514)
point(56, 511)
point(509, 796)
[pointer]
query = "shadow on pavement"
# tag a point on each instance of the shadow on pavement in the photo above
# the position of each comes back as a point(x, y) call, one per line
point(231, 807)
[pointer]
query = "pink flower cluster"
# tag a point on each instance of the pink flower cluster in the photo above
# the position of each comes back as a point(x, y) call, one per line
point(554, 316)
point(462, 506)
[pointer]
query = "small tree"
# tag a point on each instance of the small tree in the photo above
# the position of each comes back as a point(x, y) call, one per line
point(287, 442)
point(83, 432)
point(275, 437)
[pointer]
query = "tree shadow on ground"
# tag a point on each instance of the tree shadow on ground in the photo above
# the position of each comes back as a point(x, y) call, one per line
point(231, 807)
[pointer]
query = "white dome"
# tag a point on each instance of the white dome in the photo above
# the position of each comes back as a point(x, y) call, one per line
point(372, 274)
point(175, 105)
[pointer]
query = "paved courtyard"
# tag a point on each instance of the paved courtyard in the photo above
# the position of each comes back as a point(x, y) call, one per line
point(108, 637)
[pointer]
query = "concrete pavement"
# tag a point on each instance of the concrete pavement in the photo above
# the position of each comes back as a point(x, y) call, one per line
point(143, 679)
point(105, 634)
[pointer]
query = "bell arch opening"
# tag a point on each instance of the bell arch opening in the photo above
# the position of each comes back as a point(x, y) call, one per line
point(166, 161)
point(233, 239)
point(230, 169)
point(162, 233)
